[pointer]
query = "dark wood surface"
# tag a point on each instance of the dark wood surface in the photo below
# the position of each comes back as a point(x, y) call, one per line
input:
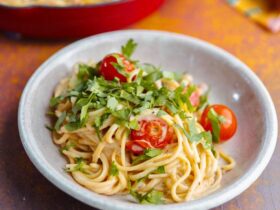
point(23, 187)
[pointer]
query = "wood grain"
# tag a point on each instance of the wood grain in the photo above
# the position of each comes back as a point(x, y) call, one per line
point(23, 187)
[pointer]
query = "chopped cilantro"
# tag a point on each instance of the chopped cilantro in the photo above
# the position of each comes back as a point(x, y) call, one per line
point(55, 100)
point(194, 136)
point(203, 101)
point(148, 154)
point(60, 121)
point(98, 122)
point(112, 103)
point(133, 124)
point(128, 48)
point(114, 171)
point(123, 100)
point(80, 163)
point(152, 152)
point(148, 68)
point(84, 113)
point(85, 71)
point(215, 121)
point(171, 107)
point(171, 75)
point(151, 197)
point(207, 139)
point(161, 113)
point(122, 114)
point(153, 76)
point(160, 170)
point(67, 146)
point(72, 126)
point(120, 68)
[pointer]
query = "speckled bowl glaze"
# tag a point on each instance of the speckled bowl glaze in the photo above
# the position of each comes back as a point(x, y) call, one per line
point(232, 83)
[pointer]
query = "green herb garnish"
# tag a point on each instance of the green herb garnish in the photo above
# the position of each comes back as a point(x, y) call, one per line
point(59, 121)
point(55, 100)
point(151, 197)
point(160, 170)
point(128, 48)
point(114, 171)
point(148, 154)
point(80, 163)
point(215, 120)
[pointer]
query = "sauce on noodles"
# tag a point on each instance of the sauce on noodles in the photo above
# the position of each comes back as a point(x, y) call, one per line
point(21, 3)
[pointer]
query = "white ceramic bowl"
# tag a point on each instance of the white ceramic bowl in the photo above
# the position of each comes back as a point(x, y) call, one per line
point(232, 83)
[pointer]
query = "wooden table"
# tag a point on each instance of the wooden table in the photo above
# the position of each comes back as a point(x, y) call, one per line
point(23, 187)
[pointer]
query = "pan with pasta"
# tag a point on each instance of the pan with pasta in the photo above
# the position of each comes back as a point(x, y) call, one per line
point(22, 3)
point(127, 127)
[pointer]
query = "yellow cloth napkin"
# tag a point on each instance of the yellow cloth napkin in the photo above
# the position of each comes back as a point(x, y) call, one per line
point(258, 11)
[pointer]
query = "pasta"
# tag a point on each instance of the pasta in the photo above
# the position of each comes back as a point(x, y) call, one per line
point(94, 130)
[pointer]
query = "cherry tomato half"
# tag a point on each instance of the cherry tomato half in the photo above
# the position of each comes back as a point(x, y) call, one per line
point(109, 72)
point(153, 133)
point(227, 127)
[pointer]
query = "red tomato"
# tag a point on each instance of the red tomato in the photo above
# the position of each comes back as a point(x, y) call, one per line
point(109, 72)
point(227, 128)
point(153, 133)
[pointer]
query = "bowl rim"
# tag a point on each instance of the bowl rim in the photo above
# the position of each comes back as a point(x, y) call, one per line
point(70, 6)
point(210, 201)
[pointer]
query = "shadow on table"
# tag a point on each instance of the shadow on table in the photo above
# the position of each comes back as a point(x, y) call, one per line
point(21, 185)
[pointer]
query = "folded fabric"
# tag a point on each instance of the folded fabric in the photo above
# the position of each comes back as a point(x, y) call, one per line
point(258, 10)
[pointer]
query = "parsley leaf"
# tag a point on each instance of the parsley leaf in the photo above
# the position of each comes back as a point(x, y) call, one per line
point(152, 152)
point(120, 68)
point(80, 163)
point(129, 97)
point(215, 121)
point(67, 146)
point(148, 68)
point(171, 75)
point(60, 121)
point(98, 122)
point(171, 107)
point(122, 114)
point(207, 144)
point(203, 101)
point(148, 154)
point(112, 103)
point(133, 124)
point(153, 76)
point(193, 136)
point(85, 71)
point(55, 101)
point(72, 126)
point(160, 170)
point(161, 113)
point(151, 197)
point(84, 113)
point(113, 171)
point(128, 48)
point(192, 127)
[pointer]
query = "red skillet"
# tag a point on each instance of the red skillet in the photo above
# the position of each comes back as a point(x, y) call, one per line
point(74, 21)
